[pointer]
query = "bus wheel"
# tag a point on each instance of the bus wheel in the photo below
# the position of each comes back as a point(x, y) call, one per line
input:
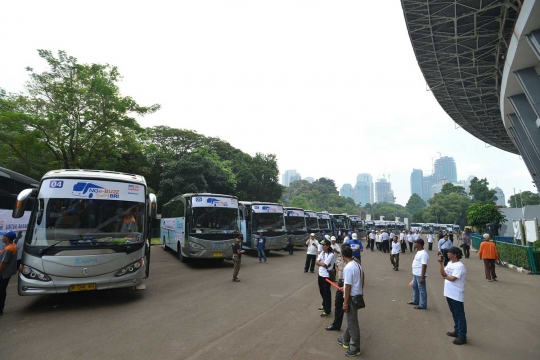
point(165, 245)
point(182, 258)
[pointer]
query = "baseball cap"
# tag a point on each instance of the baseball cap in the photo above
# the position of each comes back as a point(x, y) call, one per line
point(327, 237)
point(333, 238)
point(312, 234)
point(455, 250)
point(420, 241)
point(324, 242)
point(354, 236)
point(11, 235)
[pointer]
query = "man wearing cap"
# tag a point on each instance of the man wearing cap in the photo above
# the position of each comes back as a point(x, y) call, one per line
point(311, 253)
point(419, 270)
point(237, 257)
point(357, 247)
point(325, 262)
point(454, 287)
point(8, 265)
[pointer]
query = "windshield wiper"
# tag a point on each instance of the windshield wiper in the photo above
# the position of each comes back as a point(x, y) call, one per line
point(41, 251)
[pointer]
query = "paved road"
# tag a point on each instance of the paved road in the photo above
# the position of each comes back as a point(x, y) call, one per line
point(196, 312)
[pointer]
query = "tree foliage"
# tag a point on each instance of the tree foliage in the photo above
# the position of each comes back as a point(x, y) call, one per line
point(478, 215)
point(480, 192)
point(525, 198)
point(415, 204)
point(445, 209)
point(450, 188)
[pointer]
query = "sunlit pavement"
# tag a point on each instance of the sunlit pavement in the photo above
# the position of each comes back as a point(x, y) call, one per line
point(196, 312)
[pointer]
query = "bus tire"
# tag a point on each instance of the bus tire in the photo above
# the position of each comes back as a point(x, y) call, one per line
point(165, 248)
point(182, 258)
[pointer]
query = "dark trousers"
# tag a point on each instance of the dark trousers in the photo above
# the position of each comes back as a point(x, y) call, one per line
point(489, 267)
point(290, 247)
point(378, 245)
point(466, 250)
point(3, 292)
point(457, 309)
point(338, 308)
point(445, 256)
point(324, 289)
point(237, 260)
point(410, 246)
point(371, 244)
point(394, 259)
point(385, 246)
point(430, 246)
point(403, 246)
point(310, 262)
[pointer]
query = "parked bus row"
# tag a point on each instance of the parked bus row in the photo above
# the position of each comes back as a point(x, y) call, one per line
point(425, 228)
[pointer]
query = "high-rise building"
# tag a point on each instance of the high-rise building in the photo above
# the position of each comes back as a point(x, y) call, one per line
point(289, 176)
point(417, 182)
point(346, 191)
point(362, 193)
point(367, 178)
point(427, 183)
point(383, 191)
point(445, 168)
point(500, 196)
point(309, 179)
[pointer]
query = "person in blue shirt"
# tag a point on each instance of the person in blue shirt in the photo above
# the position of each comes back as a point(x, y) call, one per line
point(261, 243)
point(356, 246)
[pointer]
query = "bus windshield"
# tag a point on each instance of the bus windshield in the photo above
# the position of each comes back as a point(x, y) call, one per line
point(312, 223)
point(268, 222)
point(340, 222)
point(214, 220)
point(325, 224)
point(87, 222)
point(296, 223)
point(356, 224)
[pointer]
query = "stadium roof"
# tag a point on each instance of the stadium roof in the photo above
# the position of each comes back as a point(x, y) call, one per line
point(460, 47)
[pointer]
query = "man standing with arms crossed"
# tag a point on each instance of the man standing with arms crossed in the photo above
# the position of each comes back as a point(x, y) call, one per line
point(353, 278)
point(311, 253)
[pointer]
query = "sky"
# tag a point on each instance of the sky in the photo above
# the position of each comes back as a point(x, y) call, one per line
point(331, 87)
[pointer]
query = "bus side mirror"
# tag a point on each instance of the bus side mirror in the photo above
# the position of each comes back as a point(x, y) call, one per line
point(152, 202)
point(20, 205)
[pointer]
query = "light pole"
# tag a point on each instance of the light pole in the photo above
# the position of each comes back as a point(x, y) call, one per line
point(395, 209)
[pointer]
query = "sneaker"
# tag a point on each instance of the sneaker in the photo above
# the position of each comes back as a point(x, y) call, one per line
point(459, 341)
point(236, 280)
point(321, 309)
point(351, 352)
point(326, 314)
point(342, 343)
point(452, 334)
point(259, 261)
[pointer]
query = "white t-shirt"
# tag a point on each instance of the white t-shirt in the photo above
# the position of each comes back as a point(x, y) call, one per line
point(328, 259)
point(384, 236)
point(455, 289)
point(430, 238)
point(371, 236)
point(346, 240)
point(401, 236)
point(378, 238)
point(396, 247)
point(312, 250)
point(421, 258)
point(353, 276)
point(336, 247)
point(415, 237)
point(409, 238)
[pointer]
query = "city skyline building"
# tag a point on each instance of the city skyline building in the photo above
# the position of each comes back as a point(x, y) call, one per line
point(417, 182)
point(309, 179)
point(346, 191)
point(445, 168)
point(289, 176)
point(427, 183)
point(362, 193)
point(383, 191)
point(367, 179)
point(501, 201)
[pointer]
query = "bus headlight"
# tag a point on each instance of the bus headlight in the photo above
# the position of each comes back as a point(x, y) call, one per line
point(131, 268)
point(196, 246)
point(33, 274)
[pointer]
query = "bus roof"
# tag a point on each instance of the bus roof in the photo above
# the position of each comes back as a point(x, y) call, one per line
point(208, 194)
point(292, 208)
point(15, 176)
point(259, 203)
point(95, 174)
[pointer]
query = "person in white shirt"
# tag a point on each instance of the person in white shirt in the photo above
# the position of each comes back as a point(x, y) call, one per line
point(320, 248)
point(378, 240)
point(430, 241)
point(394, 253)
point(402, 241)
point(419, 270)
point(311, 253)
point(346, 238)
point(325, 261)
point(372, 239)
point(385, 241)
point(353, 278)
point(410, 240)
point(443, 245)
point(454, 275)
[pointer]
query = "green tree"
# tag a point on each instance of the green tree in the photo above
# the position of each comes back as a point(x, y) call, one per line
point(525, 198)
point(415, 204)
point(450, 188)
point(478, 215)
point(300, 202)
point(480, 192)
point(76, 109)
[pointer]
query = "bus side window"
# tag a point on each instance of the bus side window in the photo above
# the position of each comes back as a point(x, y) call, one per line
point(39, 217)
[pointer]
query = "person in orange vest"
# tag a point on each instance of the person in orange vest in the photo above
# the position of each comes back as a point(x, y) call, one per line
point(488, 253)
point(8, 265)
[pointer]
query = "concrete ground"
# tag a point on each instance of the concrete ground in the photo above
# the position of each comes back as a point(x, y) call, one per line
point(195, 311)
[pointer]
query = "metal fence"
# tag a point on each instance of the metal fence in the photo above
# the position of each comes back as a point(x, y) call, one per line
point(527, 257)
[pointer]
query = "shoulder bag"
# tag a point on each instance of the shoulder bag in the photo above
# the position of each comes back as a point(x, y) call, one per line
point(358, 300)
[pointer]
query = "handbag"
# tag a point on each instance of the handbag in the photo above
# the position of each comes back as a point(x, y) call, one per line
point(332, 274)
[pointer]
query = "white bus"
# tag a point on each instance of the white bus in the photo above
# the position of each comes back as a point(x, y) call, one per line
point(266, 218)
point(295, 222)
point(325, 224)
point(312, 224)
point(202, 226)
point(89, 230)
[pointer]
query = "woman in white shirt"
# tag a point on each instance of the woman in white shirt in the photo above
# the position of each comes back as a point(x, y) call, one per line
point(325, 261)
point(378, 240)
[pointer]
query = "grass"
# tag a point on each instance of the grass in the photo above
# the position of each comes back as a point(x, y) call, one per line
point(155, 241)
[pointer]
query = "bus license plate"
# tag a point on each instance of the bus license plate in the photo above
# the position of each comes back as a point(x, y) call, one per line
point(82, 287)
point(217, 254)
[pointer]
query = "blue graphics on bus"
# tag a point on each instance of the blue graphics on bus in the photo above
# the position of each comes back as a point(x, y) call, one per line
point(84, 189)
point(212, 201)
